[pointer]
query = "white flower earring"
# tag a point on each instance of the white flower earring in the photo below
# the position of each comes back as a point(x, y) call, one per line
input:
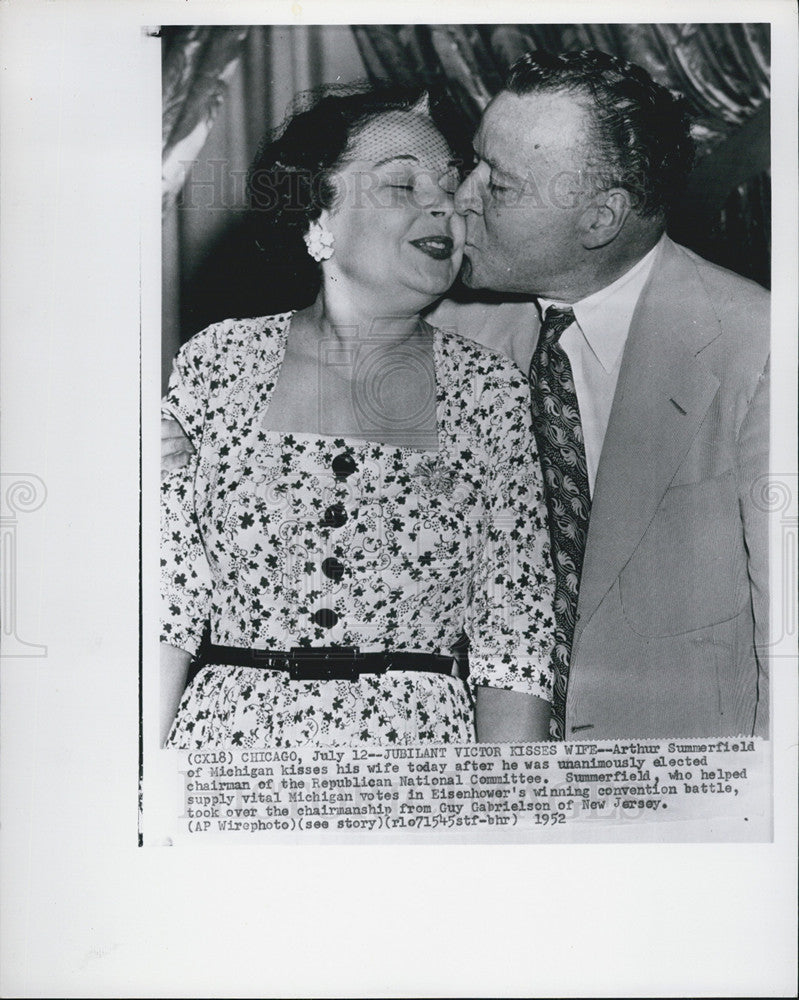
point(319, 241)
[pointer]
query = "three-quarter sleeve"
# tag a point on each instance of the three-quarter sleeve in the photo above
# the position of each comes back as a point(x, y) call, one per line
point(185, 573)
point(511, 623)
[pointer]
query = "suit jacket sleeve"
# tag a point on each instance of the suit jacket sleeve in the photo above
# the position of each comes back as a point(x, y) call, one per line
point(752, 454)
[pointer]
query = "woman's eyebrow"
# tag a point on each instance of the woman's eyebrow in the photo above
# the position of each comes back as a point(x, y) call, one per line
point(399, 156)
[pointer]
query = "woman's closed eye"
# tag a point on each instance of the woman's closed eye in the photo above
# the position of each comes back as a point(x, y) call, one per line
point(398, 180)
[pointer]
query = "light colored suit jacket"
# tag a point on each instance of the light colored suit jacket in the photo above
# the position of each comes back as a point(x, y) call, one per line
point(672, 625)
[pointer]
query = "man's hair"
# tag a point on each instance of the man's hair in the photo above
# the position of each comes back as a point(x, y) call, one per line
point(639, 134)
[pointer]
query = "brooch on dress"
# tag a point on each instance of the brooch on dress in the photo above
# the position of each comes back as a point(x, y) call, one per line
point(433, 476)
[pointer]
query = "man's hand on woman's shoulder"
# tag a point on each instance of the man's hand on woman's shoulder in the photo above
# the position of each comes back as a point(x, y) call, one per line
point(176, 449)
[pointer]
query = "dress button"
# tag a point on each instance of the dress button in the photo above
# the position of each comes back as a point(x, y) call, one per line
point(333, 569)
point(344, 465)
point(325, 617)
point(334, 516)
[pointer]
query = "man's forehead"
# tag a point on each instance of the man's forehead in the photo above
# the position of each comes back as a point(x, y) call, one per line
point(519, 126)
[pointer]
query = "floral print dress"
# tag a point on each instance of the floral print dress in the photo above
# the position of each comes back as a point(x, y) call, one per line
point(280, 540)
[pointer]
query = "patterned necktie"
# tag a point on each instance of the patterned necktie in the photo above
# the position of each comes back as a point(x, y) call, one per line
point(559, 435)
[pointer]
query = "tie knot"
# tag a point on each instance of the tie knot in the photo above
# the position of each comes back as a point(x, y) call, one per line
point(555, 322)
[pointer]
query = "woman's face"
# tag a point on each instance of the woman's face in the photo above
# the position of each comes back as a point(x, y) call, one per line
point(396, 235)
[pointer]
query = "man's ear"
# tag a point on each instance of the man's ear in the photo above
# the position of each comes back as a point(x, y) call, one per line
point(604, 217)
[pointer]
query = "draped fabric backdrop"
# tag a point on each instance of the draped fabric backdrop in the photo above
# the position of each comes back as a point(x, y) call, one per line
point(224, 87)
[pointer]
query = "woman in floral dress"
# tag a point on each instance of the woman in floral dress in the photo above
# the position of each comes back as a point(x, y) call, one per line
point(364, 488)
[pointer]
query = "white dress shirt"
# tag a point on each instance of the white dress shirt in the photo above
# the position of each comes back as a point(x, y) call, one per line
point(594, 345)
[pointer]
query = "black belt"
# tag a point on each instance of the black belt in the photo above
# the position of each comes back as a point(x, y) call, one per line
point(326, 663)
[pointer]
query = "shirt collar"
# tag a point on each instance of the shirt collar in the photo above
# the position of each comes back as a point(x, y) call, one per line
point(605, 316)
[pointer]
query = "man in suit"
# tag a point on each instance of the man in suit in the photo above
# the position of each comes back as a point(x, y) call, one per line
point(650, 398)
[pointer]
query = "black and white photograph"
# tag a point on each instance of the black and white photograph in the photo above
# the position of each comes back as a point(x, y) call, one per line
point(473, 444)
point(427, 485)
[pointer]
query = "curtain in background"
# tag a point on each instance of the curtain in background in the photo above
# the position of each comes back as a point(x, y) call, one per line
point(721, 69)
point(247, 78)
point(197, 64)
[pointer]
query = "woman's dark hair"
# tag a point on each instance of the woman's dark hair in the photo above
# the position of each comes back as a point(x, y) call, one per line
point(290, 181)
point(640, 135)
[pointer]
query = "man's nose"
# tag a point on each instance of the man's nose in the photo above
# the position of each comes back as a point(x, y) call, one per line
point(436, 200)
point(468, 196)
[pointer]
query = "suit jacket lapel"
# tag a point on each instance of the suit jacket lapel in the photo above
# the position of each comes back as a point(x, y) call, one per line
point(662, 395)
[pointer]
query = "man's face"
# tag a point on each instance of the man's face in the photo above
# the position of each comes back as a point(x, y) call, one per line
point(524, 199)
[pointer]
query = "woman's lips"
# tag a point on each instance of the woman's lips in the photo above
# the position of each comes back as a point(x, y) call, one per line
point(437, 247)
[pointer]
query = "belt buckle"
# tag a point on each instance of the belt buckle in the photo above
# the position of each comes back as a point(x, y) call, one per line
point(324, 663)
